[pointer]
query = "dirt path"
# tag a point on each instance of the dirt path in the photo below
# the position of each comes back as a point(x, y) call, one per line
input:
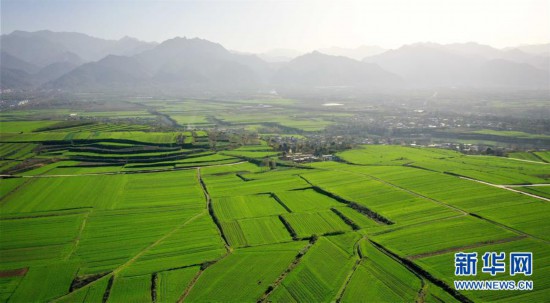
point(360, 259)
point(146, 249)
point(527, 185)
point(190, 286)
point(285, 273)
point(421, 296)
point(506, 188)
point(77, 240)
point(530, 161)
point(197, 277)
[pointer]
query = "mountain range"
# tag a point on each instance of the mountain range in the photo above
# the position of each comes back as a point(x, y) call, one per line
point(428, 65)
point(75, 62)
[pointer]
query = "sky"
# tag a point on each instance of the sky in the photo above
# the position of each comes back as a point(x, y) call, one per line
point(258, 26)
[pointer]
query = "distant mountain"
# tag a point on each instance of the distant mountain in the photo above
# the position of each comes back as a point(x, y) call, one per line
point(473, 49)
point(80, 63)
point(35, 58)
point(470, 49)
point(110, 73)
point(36, 49)
point(53, 71)
point(424, 65)
point(358, 53)
point(180, 50)
point(20, 74)
point(500, 73)
point(46, 47)
point(202, 57)
point(176, 64)
point(197, 62)
point(459, 65)
point(15, 79)
point(127, 46)
point(519, 56)
point(536, 49)
point(317, 70)
point(12, 62)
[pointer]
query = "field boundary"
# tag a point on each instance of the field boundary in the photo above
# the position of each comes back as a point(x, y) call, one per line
point(211, 209)
point(274, 196)
point(354, 205)
point(79, 235)
point(419, 271)
point(347, 220)
point(358, 262)
point(287, 271)
point(289, 228)
point(204, 266)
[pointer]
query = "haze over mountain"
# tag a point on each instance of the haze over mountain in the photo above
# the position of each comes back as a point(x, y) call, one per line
point(8, 61)
point(112, 73)
point(358, 53)
point(45, 47)
point(49, 55)
point(80, 63)
point(317, 70)
point(176, 64)
point(465, 65)
point(536, 49)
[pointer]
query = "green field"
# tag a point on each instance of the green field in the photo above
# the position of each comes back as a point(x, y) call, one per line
point(436, 265)
point(114, 207)
point(316, 223)
point(312, 283)
point(245, 274)
point(255, 231)
point(388, 280)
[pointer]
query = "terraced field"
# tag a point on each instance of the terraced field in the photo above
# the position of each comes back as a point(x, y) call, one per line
point(87, 221)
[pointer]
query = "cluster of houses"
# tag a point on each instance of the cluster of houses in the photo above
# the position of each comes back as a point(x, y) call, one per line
point(306, 157)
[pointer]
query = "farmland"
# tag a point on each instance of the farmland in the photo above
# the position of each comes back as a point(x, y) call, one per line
point(390, 281)
point(126, 206)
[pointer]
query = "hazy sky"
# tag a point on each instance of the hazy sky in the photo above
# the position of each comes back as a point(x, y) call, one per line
point(302, 25)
